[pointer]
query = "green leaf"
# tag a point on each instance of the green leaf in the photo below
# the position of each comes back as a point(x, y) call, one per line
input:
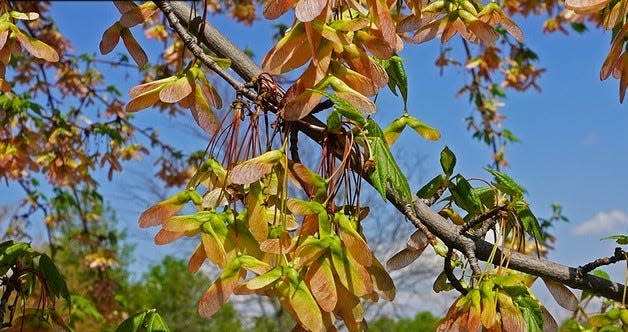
point(464, 196)
point(421, 128)
point(578, 27)
point(620, 239)
point(83, 308)
point(10, 252)
point(386, 171)
point(144, 321)
point(507, 134)
point(345, 108)
point(528, 221)
point(447, 161)
point(430, 189)
point(601, 274)
point(155, 323)
point(54, 279)
point(133, 323)
point(506, 184)
point(486, 195)
point(334, 122)
point(398, 78)
point(531, 312)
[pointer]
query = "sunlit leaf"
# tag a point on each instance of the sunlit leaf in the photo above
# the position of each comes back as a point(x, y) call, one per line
point(505, 183)
point(307, 10)
point(219, 292)
point(24, 16)
point(423, 129)
point(256, 213)
point(197, 259)
point(164, 237)
point(320, 277)
point(289, 53)
point(354, 242)
point(177, 90)
point(142, 101)
point(162, 211)
point(253, 264)
point(36, 47)
point(276, 8)
point(312, 183)
point(254, 169)
point(352, 96)
point(394, 129)
point(585, 6)
point(304, 306)
point(183, 224)
point(300, 97)
point(265, 280)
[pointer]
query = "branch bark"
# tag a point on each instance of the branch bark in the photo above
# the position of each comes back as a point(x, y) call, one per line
point(423, 214)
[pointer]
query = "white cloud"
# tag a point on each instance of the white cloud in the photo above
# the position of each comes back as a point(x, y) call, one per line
point(603, 222)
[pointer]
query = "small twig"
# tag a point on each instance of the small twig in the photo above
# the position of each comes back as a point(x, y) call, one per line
point(618, 255)
point(294, 144)
point(35, 200)
point(409, 213)
point(190, 43)
point(430, 201)
point(481, 218)
point(449, 272)
point(481, 232)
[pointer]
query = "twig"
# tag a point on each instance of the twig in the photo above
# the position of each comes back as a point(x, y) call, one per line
point(618, 255)
point(199, 53)
point(481, 218)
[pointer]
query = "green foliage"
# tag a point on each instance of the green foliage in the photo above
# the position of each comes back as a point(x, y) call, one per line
point(423, 321)
point(397, 77)
point(447, 161)
point(345, 108)
point(386, 171)
point(29, 274)
point(54, 279)
point(174, 293)
point(506, 184)
point(145, 321)
point(621, 239)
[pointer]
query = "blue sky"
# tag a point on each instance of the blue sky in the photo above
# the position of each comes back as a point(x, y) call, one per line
point(574, 147)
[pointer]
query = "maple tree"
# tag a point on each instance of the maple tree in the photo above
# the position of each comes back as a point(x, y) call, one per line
point(275, 225)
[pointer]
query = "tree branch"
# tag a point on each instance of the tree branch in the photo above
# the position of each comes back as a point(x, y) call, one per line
point(422, 214)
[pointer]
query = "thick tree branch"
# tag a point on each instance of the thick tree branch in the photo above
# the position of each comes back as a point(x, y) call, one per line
point(422, 214)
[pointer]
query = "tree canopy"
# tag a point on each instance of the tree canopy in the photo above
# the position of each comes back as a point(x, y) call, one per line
point(275, 201)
